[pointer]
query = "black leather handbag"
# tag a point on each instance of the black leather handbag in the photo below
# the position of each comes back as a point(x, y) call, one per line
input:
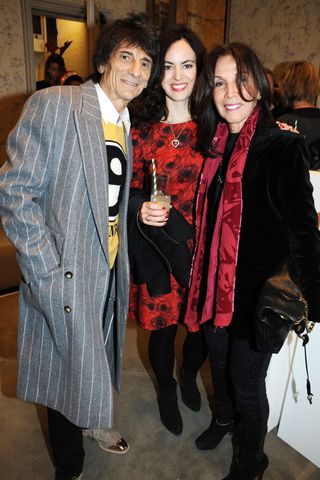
point(281, 308)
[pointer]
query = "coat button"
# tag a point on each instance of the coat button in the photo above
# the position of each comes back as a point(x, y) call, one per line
point(67, 309)
point(68, 275)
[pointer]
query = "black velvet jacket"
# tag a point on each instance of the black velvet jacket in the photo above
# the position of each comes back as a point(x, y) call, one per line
point(278, 218)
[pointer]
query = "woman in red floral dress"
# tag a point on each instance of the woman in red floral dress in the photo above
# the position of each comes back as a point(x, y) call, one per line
point(165, 135)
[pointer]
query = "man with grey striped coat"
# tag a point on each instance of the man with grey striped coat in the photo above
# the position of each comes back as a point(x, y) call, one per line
point(63, 202)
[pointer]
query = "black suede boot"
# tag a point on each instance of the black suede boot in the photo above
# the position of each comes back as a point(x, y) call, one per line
point(189, 390)
point(169, 410)
point(248, 471)
point(211, 437)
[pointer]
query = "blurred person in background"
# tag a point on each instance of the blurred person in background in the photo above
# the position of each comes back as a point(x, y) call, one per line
point(278, 107)
point(270, 78)
point(70, 78)
point(54, 68)
point(299, 87)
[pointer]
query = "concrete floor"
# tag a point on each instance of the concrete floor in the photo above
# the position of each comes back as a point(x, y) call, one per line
point(155, 454)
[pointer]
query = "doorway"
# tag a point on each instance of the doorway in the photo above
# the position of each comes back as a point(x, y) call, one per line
point(210, 20)
point(87, 19)
point(65, 37)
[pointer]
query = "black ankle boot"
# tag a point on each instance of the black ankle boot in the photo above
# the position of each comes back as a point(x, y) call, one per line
point(189, 390)
point(211, 437)
point(169, 410)
point(248, 471)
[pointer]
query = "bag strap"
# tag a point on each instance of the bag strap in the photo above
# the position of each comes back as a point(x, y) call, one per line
point(305, 340)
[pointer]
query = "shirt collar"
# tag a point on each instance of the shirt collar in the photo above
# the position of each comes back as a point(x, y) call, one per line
point(109, 112)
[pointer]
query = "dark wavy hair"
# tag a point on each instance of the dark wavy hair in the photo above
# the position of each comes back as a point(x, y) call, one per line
point(133, 31)
point(151, 107)
point(207, 116)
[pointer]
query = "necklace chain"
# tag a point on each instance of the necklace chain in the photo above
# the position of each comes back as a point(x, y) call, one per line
point(175, 141)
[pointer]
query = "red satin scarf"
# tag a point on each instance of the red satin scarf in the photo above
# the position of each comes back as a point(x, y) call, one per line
point(226, 235)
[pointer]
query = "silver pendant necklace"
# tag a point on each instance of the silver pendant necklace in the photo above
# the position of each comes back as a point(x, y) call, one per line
point(175, 142)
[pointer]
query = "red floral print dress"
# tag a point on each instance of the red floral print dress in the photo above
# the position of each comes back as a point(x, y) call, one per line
point(182, 164)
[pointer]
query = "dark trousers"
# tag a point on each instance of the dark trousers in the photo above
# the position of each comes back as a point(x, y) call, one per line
point(162, 354)
point(67, 446)
point(238, 376)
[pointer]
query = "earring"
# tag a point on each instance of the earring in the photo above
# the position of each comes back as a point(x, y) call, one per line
point(100, 69)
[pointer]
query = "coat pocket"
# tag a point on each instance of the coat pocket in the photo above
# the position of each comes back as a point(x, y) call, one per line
point(46, 296)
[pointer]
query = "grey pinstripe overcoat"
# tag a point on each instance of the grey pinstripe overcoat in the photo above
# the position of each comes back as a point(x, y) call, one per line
point(54, 208)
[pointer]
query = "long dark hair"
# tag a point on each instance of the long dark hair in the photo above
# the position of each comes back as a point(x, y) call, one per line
point(206, 114)
point(150, 107)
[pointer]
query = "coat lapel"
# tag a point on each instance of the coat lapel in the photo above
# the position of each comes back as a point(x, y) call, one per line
point(94, 158)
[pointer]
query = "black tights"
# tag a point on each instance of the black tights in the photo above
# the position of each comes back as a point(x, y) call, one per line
point(238, 376)
point(162, 355)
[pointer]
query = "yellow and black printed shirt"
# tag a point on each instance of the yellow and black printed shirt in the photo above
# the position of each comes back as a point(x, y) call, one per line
point(116, 153)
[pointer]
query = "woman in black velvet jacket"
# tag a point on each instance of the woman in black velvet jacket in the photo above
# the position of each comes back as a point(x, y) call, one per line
point(254, 208)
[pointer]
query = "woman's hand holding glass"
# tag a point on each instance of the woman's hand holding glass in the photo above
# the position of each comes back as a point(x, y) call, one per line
point(153, 214)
